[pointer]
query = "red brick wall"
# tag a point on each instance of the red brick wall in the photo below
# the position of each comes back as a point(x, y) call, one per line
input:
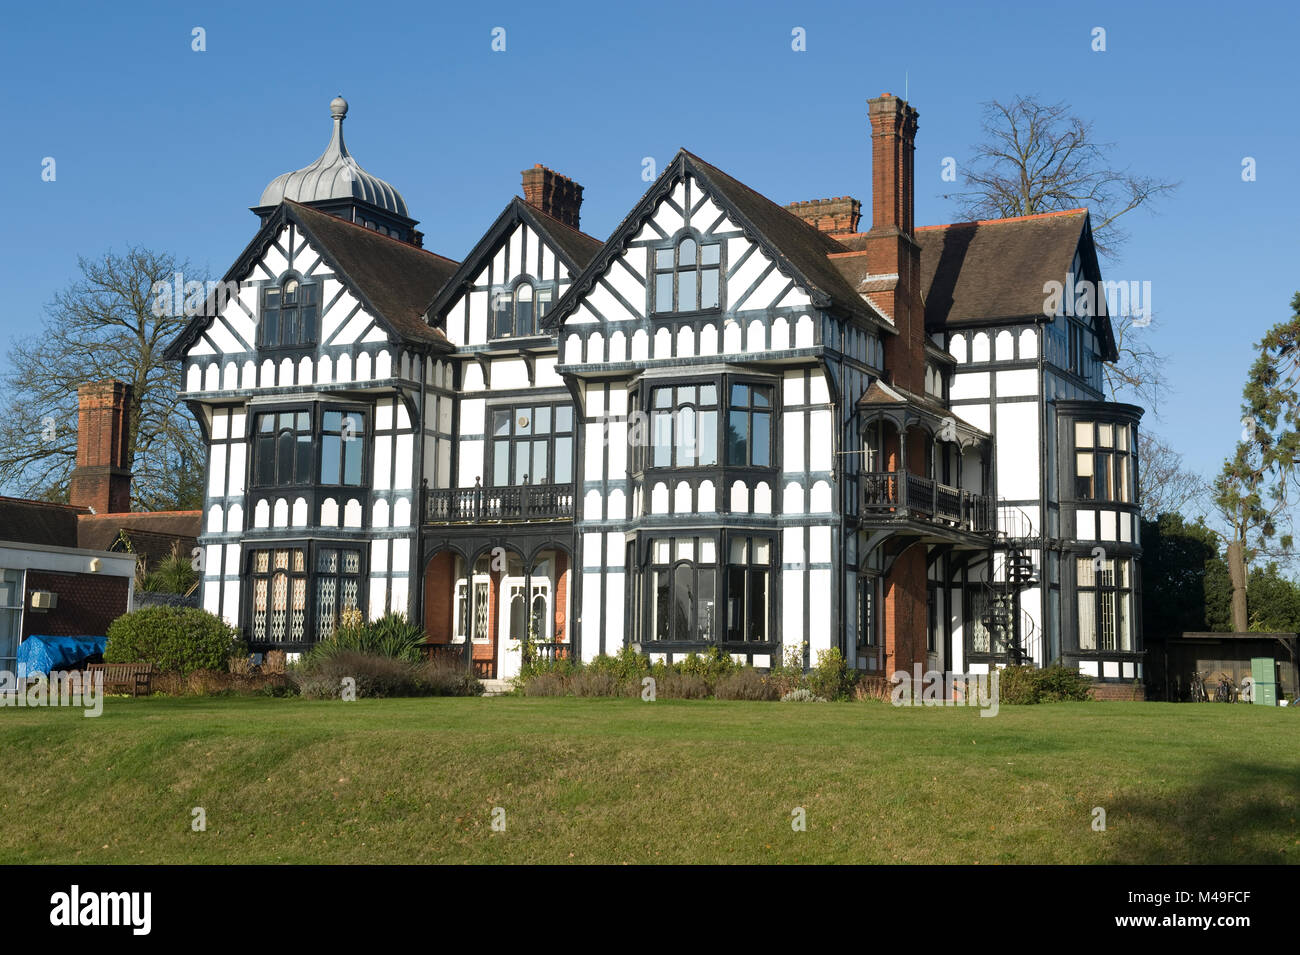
point(1118, 691)
point(903, 619)
point(561, 596)
point(87, 604)
point(440, 598)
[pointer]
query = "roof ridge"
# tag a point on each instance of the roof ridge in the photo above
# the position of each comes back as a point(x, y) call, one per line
point(378, 235)
point(1036, 215)
point(551, 218)
point(77, 508)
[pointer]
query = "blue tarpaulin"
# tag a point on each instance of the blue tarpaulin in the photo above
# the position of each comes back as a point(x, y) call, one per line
point(43, 654)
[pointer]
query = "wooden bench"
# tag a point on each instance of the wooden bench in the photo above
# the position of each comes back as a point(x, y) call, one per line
point(135, 677)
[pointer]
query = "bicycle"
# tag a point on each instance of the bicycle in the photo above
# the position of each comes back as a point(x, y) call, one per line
point(1197, 688)
point(1225, 692)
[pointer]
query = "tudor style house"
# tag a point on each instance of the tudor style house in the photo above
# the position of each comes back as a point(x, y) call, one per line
point(729, 424)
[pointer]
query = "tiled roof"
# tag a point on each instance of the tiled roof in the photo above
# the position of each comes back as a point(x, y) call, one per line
point(38, 522)
point(980, 272)
point(151, 534)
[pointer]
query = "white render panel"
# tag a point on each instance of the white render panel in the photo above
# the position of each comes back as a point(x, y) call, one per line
point(1018, 382)
point(969, 385)
point(1017, 448)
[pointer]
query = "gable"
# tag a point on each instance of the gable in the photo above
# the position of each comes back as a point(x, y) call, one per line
point(383, 281)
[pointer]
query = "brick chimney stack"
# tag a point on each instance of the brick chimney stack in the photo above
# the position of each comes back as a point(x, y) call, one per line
point(838, 216)
point(102, 477)
point(558, 196)
point(893, 148)
point(890, 246)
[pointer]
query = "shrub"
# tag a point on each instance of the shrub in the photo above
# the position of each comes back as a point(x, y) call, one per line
point(745, 684)
point(872, 688)
point(788, 675)
point(682, 686)
point(598, 683)
point(545, 684)
point(444, 680)
point(219, 683)
point(563, 666)
point(1030, 684)
point(830, 677)
point(184, 639)
point(802, 695)
point(627, 667)
point(389, 636)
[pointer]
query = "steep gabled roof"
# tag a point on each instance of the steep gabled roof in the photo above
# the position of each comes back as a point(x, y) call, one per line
point(393, 280)
point(575, 249)
point(993, 270)
point(799, 249)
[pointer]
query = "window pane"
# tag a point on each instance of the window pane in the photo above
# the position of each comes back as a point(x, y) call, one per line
point(686, 253)
point(663, 439)
point(266, 460)
point(661, 625)
point(524, 421)
point(686, 447)
point(761, 398)
point(540, 473)
point(272, 298)
point(291, 291)
point(757, 609)
point(331, 420)
point(664, 292)
point(284, 457)
point(500, 423)
point(708, 395)
point(1084, 570)
point(663, 258)
point(708, 438)
point(738, 438)
point(500, 463)
point(521, 463)
point(524, 324)
point(304, 421)
point(352, 462)
point(331, 458)
point(661, 552)
point(563, 460)
point(740, 396)
point(686, 300)
point(710, 253)
point(543, 301)
point(762, 440)
point(704, 606)
point(683, 584)
point(307, 333)
point(1106, 435)
point(709, 288)
point(762, 551)
point(542, 420)
point(271, 326)
point(735, 603)
point(564, 418)
point(739, 548)
point(265, 423)
point(708, 552)
point(1101, 479)
point(1083, 434)
point(663, 398)
point(684, 549)
point(1121, 436)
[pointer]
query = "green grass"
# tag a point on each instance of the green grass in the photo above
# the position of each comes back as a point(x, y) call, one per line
point(626, 781)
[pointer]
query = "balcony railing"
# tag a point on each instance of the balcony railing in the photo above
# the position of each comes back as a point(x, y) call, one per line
point(899, 495)
point(499, 505)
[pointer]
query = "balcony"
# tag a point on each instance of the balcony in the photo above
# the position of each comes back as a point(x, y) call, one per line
point(900, 496)
point(522, 504)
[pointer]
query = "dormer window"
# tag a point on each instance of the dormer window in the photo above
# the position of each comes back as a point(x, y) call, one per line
point(688, 276)
point(516, 312)
point(289, 314)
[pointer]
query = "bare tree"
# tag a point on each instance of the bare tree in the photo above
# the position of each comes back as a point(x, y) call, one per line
point(1165, 486)
point(103, 325)
point(1039, 157)
point(1138, 375)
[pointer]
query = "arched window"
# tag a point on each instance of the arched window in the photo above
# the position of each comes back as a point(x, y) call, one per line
point(516, 312)
point(688, 276)
point(290, 313)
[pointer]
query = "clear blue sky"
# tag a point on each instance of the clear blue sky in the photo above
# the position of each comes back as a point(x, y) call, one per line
point(161, 146)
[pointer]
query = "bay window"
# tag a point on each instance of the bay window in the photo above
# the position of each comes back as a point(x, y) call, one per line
point(683, 587)
point(290, 310)
point(749, 569)
point(1103, 469)
point(749, 426)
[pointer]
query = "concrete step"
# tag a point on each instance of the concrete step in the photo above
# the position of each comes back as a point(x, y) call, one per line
point(497, 687)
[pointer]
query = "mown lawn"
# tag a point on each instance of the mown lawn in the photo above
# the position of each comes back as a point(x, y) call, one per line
point(626, 781)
